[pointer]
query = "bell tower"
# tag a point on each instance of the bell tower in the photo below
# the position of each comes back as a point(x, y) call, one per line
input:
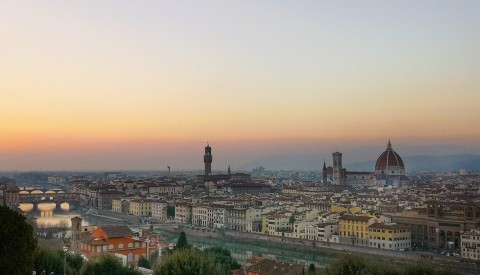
point(76, 233)
point(207, 159)
point(324, 172)
point(337, 168)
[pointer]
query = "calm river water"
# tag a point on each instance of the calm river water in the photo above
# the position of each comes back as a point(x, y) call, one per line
point(50, 214)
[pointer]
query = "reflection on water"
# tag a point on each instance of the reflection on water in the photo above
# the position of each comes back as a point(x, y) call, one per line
point(242, 251)
point(49, 214)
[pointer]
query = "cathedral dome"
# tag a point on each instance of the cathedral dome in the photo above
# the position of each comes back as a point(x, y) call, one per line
point(389, 160)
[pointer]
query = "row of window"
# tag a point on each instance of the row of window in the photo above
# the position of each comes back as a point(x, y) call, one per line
point(397, 245)
point(389, 231)
point(383, 238)
point(468, 237)
point(103, 248)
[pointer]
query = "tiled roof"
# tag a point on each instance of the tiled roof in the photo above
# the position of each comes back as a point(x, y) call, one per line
point(387, 226)
point(117, 231)
point(355, 218)
point(267, 266)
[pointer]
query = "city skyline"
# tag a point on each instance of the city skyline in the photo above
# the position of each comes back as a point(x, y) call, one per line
point(144, 85)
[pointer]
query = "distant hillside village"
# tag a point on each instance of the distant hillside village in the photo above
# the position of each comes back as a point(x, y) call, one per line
point(382, 209)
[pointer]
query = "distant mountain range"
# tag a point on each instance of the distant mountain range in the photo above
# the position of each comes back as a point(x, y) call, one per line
point(310, 162)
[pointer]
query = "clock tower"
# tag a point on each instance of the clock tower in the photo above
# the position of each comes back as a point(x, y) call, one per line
point(207, 159)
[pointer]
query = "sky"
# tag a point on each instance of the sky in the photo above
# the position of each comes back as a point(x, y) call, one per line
point(94, 85)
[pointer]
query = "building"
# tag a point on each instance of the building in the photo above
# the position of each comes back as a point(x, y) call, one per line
point(207, 159)
point(441, 226)
point(56, 179)
point(76, 234)
point(121, 205)
point(200, 216)
point(183, 213)
point(141, 207)
point(105, 199)
point(278, 223)
point(116, 240)
point(353, 229)
point(159, 210)
point(208, 177)
point(470, 245)
point(169, 187)
point(389, 236)
point(236, 218)
point(390, 168)
point(253, 219)
point(339, 173)
point(10, 194)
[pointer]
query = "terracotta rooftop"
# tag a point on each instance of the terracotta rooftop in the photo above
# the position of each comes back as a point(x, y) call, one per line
point(355, 218)
point(117, 231)
point(272, 267)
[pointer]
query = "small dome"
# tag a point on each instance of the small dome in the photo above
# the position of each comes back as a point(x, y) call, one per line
point(389, 159)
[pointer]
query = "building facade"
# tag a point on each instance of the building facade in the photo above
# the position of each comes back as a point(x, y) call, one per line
point(389, 236)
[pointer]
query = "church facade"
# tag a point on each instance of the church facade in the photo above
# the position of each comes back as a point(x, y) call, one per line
point(389, 170)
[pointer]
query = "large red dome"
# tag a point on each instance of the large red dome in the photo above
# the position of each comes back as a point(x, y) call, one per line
point(389, 159)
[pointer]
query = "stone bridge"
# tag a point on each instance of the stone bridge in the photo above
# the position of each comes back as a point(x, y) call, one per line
point(37, 197)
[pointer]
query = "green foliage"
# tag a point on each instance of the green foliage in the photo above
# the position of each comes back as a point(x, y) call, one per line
point(292, 219)
point(170, 211)
point(190, 261)
point(223, 257)
point(311, 268)
point(182, 241)
point(50, 260)
point(153, 259)
point(107, 264)
point(143, 262)
point(17, 243)
point(349, 265)
point(360, 266)
point(74, 261)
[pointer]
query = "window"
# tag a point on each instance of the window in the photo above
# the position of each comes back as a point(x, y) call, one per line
point(137, 257)
point(120, 246)
point(110, 247)
point(99, 249)
point(130, 257)
point(130, 245)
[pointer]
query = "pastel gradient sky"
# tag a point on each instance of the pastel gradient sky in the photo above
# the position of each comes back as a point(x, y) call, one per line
point(145, 84)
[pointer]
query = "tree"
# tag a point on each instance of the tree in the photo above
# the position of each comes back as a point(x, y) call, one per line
point(311, 268)
point(107, 264)
point(48, 260)
point(292, 219)
point(17, 243)
point(51, 260)
point(190, 261)
point(348, 265)
point(182, 241)
point(143, 262)
point(223, 257)
point(153, 259)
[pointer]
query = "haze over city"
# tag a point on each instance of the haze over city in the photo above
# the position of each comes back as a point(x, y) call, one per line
point(143, 85)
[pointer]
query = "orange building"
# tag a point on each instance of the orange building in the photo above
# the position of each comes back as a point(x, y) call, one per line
point(117, 240)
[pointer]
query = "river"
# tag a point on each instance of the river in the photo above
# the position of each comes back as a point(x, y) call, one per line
point(50, 214)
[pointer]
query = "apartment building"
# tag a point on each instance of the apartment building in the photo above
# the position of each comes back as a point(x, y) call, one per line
point(389, 236)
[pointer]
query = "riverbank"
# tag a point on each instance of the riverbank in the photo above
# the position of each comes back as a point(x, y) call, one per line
point(301, 245)
point(381, 255)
